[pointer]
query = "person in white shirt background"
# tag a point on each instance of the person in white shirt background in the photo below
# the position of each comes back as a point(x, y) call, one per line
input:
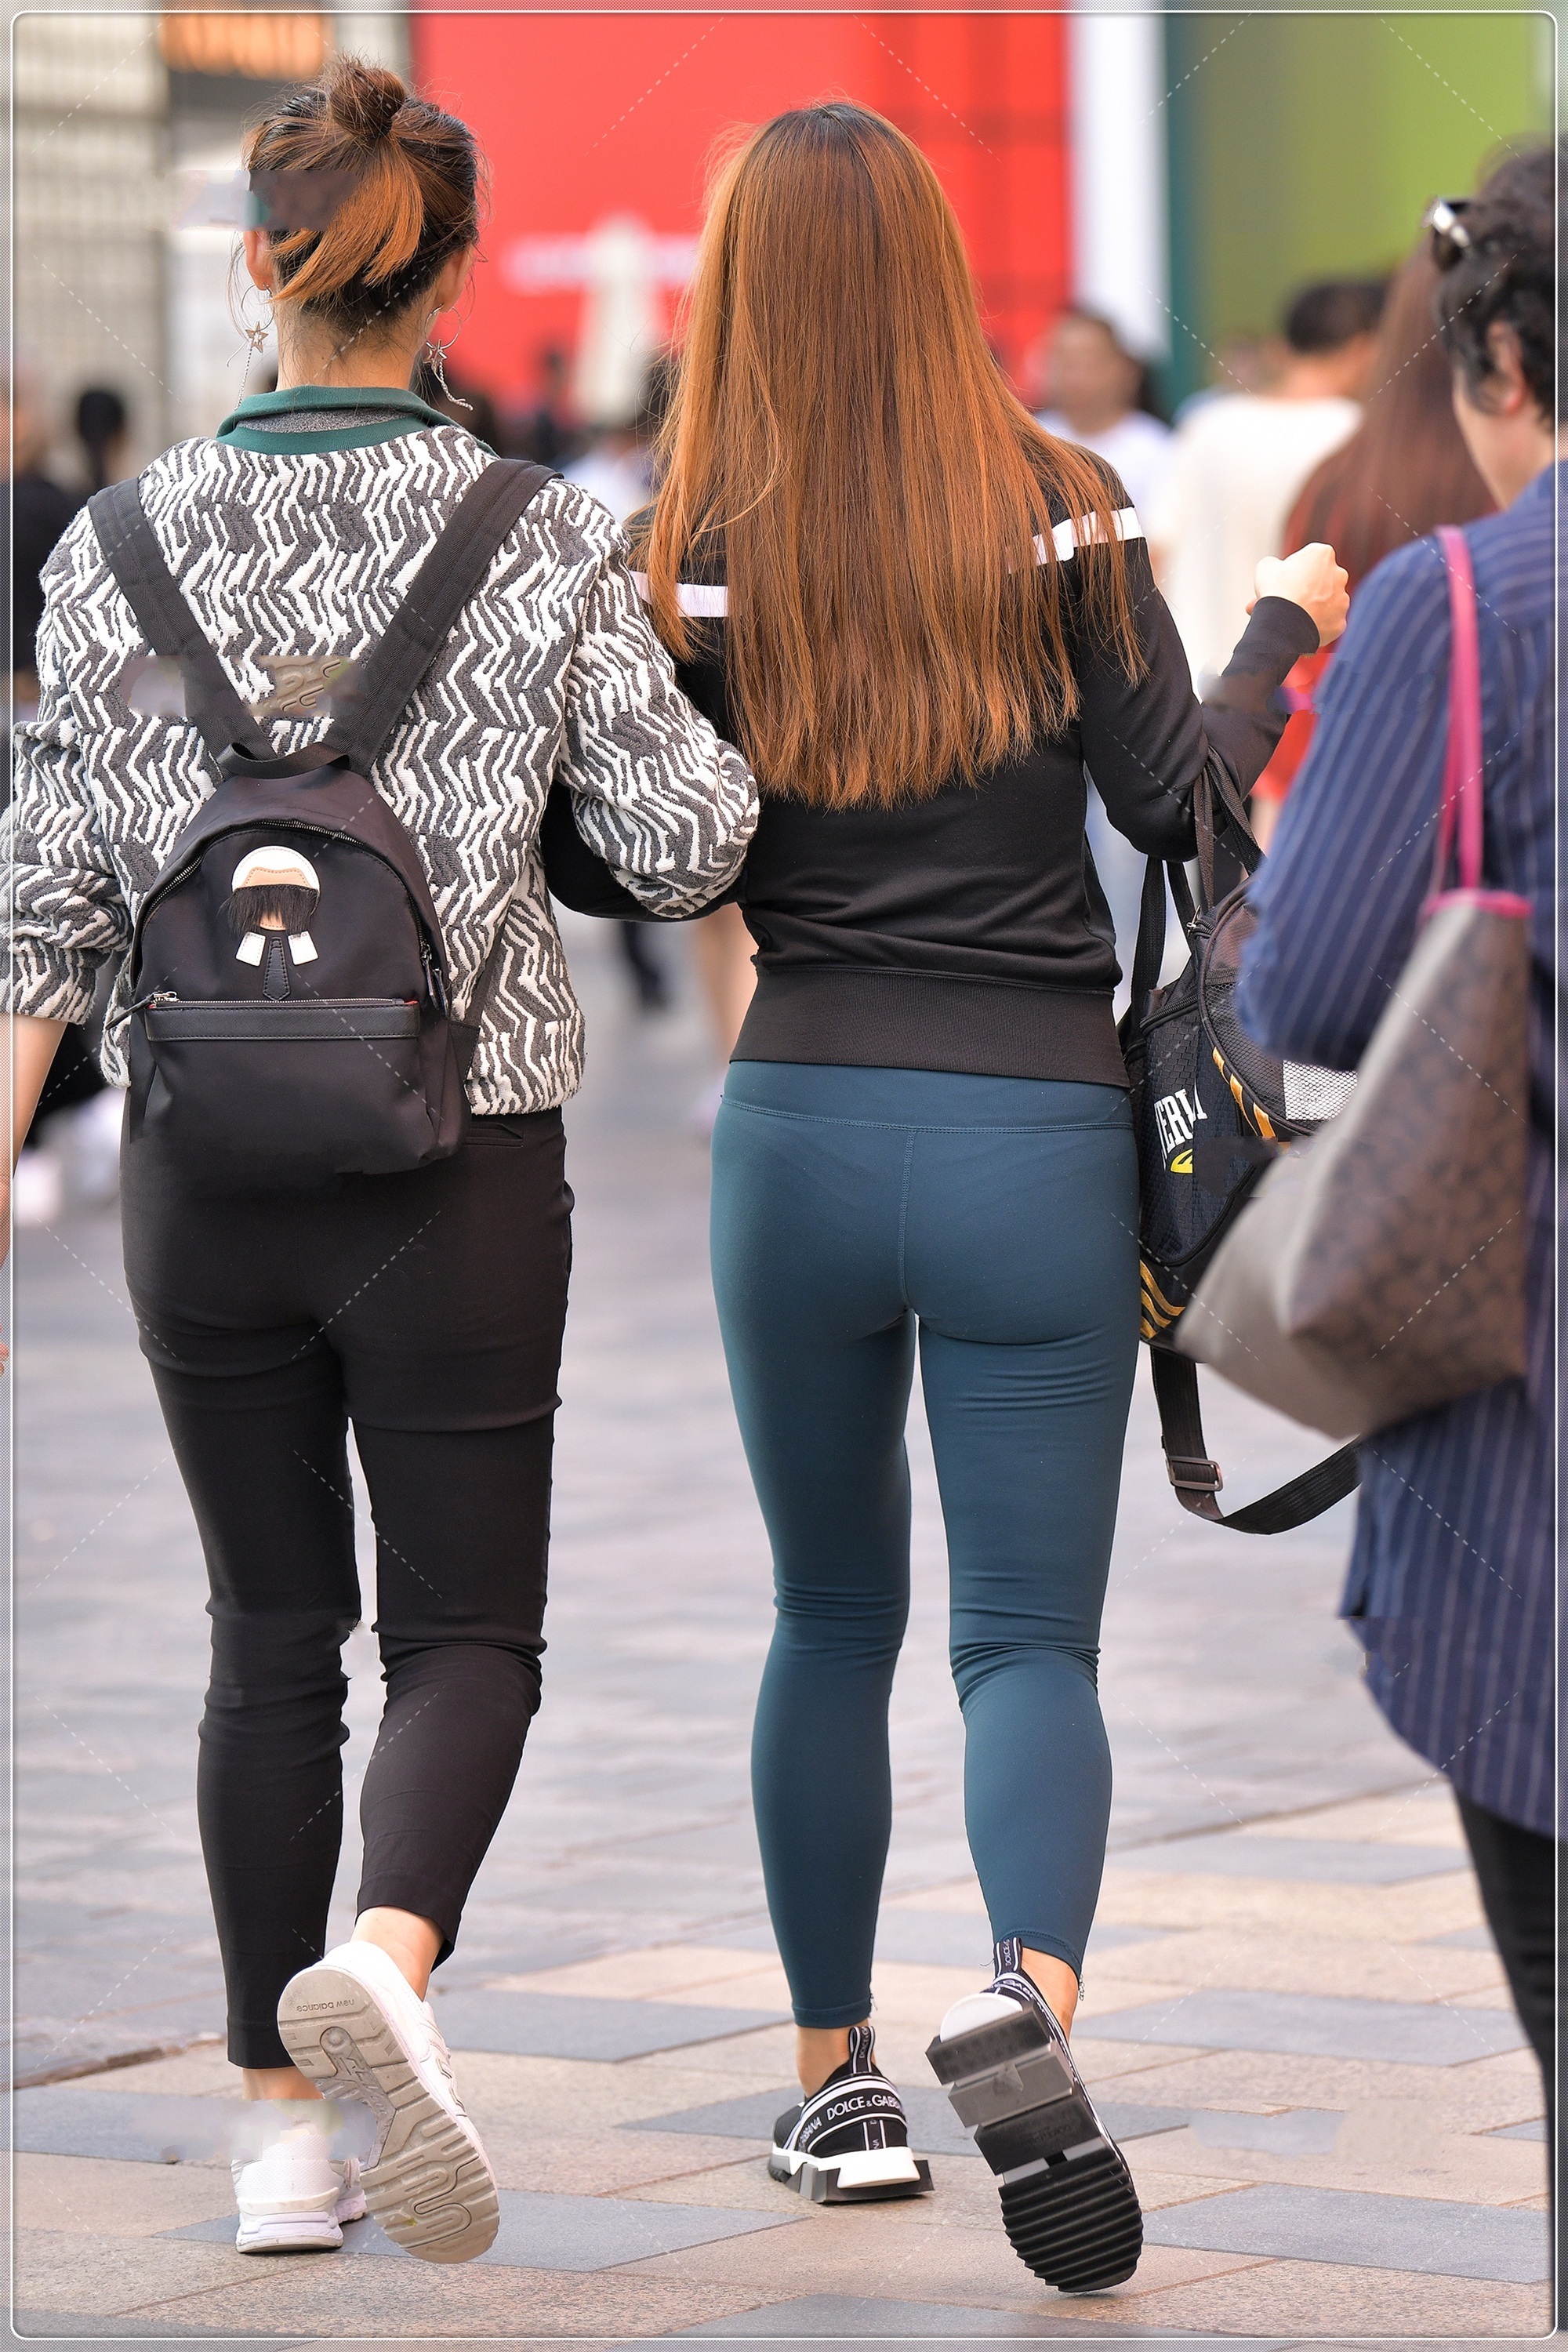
point(1238, 460)
point(1095, 389)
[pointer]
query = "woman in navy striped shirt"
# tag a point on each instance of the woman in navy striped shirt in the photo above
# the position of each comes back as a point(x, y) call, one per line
point(1451, 1584)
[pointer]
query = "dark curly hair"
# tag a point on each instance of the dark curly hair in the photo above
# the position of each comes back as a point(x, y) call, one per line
point(1504, 277)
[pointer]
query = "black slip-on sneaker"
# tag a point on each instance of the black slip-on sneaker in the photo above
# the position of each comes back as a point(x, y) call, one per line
point(848, 2144)
point(1068, 2205)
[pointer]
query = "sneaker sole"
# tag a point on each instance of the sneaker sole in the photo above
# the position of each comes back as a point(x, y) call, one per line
point(825, 2183)
point(288, 2235)
point(430, 2188)
point(1068, 2205)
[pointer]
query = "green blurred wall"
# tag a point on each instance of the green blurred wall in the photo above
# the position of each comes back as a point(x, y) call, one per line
point(1307, 146)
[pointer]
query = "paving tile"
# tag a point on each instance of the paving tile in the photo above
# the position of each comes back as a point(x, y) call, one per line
point(1502, 2090)
point(119, 2274)
point(1238, 1854)
point(1273, 1962)
point(1410, 1913)
point(1313, 2300)
point(944, 1939)
point(98, 2199)
point(1315, 2025)
point(377, 2299)
point(934, 2129)
point(840, 2320)
point(1332, 2225)
point(1424, 1814)
point(1375, 2150)
point(1298, 2131)
point(70, 2325)
point(566, 2025)
point(678, 1972)
point(137, 2128)
point(559, 2233)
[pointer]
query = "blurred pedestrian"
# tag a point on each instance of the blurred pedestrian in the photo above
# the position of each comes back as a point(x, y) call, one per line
point(103, 429)
point(546, 432)
point(1097, 395)
point(34, 512)
point(1451, 1589)
point(1405, 470)
point(425, 1305)
point(1240, 459)
point(921, 616)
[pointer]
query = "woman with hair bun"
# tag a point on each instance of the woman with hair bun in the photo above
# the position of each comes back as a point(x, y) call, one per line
point(425, 1305)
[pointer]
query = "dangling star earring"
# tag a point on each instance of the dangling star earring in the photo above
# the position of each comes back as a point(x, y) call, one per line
point(255, 330)
point(435, 360)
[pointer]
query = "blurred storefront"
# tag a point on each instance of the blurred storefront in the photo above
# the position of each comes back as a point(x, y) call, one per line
point(599, 131)
point(1180, 173)
point(90, 165)
point(1307, 145)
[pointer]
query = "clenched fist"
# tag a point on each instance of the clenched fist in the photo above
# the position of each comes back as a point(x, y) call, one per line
point(1312, 579)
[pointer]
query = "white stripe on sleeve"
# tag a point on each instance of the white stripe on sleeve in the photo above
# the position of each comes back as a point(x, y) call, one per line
point(1085, 529)
point(702, 604)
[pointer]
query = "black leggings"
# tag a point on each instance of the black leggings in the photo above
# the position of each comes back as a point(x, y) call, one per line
point(427, 1308)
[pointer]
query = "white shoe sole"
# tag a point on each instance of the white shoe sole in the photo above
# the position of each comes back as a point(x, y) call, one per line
point(853, 2180)
point(430, 2187)
point(298, 2233)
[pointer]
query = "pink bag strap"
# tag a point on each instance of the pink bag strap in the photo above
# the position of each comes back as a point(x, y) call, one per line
point(1463, 769)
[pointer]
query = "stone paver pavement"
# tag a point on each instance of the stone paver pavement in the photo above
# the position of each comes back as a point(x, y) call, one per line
point(1293, 2014)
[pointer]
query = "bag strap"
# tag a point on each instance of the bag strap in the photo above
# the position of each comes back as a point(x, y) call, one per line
point(1463, 768)
point(131, 550)
point(489, 508)
point(1197, 1480)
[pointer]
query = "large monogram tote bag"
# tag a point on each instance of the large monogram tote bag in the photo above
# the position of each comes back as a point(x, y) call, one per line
point(1379, 1268)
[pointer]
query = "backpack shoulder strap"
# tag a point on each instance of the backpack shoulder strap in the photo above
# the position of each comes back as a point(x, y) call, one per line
point(489, 508)
point(131, 550)
point(1197, 1481)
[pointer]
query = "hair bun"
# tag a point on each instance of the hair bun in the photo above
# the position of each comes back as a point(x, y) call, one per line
point(363, 100)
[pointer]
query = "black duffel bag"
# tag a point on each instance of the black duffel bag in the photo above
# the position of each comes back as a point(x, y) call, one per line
point(1210, 1110)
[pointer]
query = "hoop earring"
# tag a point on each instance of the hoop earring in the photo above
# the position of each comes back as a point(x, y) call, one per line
point(255, 330)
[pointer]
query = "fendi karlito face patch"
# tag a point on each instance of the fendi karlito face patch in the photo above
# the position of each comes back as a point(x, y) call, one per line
point(302, 684)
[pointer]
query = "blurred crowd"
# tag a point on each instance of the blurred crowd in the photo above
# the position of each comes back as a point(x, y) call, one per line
point(1338, 426)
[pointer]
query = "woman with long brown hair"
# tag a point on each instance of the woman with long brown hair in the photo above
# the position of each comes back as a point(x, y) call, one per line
point(1403, 471)
point(922, 617)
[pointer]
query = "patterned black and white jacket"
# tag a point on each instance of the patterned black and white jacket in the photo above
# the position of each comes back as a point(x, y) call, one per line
point(296, 538)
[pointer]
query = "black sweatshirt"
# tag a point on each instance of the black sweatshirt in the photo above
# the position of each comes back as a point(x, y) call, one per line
point(968, 931)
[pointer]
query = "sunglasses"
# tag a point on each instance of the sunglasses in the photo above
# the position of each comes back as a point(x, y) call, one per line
point(1450, 238)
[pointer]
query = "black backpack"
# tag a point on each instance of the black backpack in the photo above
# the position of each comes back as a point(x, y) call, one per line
point(291, 1010)
point(1210, 1110)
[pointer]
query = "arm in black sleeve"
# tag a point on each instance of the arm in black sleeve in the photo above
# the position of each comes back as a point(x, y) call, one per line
point(1145, 739)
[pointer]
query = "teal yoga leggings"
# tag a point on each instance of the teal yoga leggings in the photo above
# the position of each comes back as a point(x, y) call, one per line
point(996, 1217)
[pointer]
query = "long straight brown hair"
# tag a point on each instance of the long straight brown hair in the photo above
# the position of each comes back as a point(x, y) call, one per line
point(841, 436)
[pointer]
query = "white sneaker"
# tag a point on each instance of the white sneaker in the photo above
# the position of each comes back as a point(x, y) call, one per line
point(295, 2197)
point(356, 2027)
